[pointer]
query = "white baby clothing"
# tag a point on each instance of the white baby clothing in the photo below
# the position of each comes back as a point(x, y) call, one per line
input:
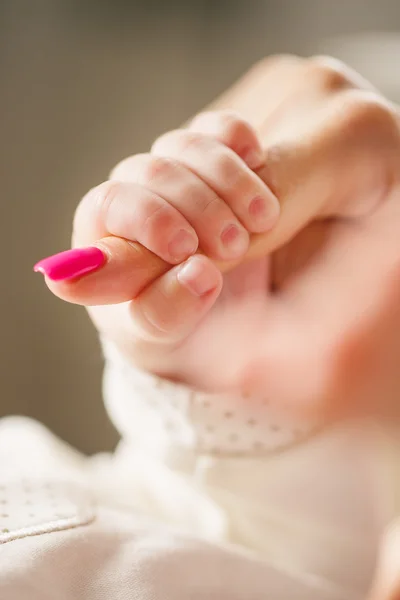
point(205, 498)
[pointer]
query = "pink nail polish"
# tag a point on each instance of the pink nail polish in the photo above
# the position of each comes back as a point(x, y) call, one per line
point(71, 263)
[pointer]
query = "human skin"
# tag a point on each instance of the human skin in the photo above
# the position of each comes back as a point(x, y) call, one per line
point(311, 314)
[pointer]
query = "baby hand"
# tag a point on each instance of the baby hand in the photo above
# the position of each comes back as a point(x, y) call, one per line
point(313, 320)
point(195, 190)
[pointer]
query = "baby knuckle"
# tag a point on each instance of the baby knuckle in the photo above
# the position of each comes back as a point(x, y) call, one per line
point(233, 129)
point(155, 216)
point(103, 196)
point(165, 142)
point(94, 209)
point(227, 126)
point(218, 120)
point(227, 117)
point(126, 168)
point(121, 168)
point(188, 140)
point(234, 177)
point(154, 168)
point(191, 194)
point(178, 142)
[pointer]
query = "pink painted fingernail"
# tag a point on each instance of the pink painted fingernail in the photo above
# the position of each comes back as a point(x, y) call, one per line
point(196, 276)
point(71, 263)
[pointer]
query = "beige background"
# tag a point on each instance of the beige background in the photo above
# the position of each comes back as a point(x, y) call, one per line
point(82, 85)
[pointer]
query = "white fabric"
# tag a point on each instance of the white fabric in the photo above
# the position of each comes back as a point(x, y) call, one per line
point(176, 515)
point(221, 424)
point(31, 507)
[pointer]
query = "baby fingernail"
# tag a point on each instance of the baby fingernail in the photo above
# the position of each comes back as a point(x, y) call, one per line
point(264, 213)
point(235, 240)
point(198, 277)
point(182, 245)
point(71, 263)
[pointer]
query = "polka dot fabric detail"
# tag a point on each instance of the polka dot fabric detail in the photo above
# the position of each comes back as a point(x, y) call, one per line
point(237, 425)
point(212, 424)
point(34, 507)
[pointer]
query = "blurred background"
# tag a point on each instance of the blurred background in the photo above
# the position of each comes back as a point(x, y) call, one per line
point(85, 83)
